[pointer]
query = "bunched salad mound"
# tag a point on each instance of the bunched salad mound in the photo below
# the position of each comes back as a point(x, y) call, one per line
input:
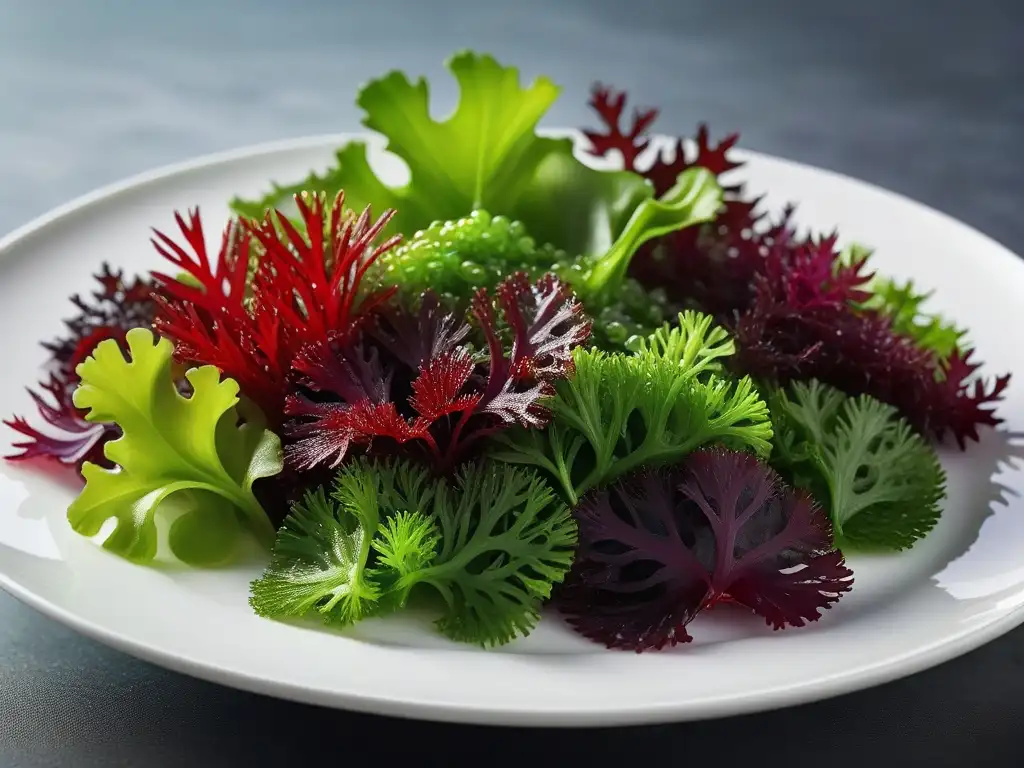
point(513, 382)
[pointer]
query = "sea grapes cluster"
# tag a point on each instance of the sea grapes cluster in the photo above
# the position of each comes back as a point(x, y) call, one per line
point(456, 258)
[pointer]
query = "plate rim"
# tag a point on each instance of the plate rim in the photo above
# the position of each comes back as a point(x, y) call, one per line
point(904, 665)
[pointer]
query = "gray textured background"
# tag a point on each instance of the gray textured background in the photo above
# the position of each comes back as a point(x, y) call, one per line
point(925, 98)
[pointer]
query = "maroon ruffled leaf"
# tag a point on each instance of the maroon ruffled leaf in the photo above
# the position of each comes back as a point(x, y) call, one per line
point(666, 165)
point(68, 439)
point(412, 386)
point(415, 337)
point(962, 402)
point(721, 268)
point(352, 372)
point(658, 547)
point(630, 144)
point(858, 352)
point(117, 306)
point(713, 267)
point(546, 323)
point(809, 274)
point(111, 311)
point(348, 403)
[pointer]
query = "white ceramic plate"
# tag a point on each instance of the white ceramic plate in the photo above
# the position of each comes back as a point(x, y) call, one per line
point(960, 587)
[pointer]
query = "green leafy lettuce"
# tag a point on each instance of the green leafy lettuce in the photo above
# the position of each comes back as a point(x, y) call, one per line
point(487, 156)
point(491, 546)
point(190, 452)
point(621, 412)
point(880, 481)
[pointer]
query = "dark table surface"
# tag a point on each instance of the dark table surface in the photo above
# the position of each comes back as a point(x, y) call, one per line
point(924, 98)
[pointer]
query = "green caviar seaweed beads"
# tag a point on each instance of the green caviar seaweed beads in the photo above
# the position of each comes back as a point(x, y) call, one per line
point(476, 251)
point(455, 258)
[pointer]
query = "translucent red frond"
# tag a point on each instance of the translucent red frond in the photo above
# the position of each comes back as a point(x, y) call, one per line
point(437, 390)
point(382, 421)
point(246, 348)
point(312, 281)
point(218, 287)
point(306, 291)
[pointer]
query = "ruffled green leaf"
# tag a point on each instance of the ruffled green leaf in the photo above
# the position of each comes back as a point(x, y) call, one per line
point(492, 546)
point(880, 481)
point(623, 412)
point(321, 559)
point(170, 444)
point(486, 154)
point(505, 540)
